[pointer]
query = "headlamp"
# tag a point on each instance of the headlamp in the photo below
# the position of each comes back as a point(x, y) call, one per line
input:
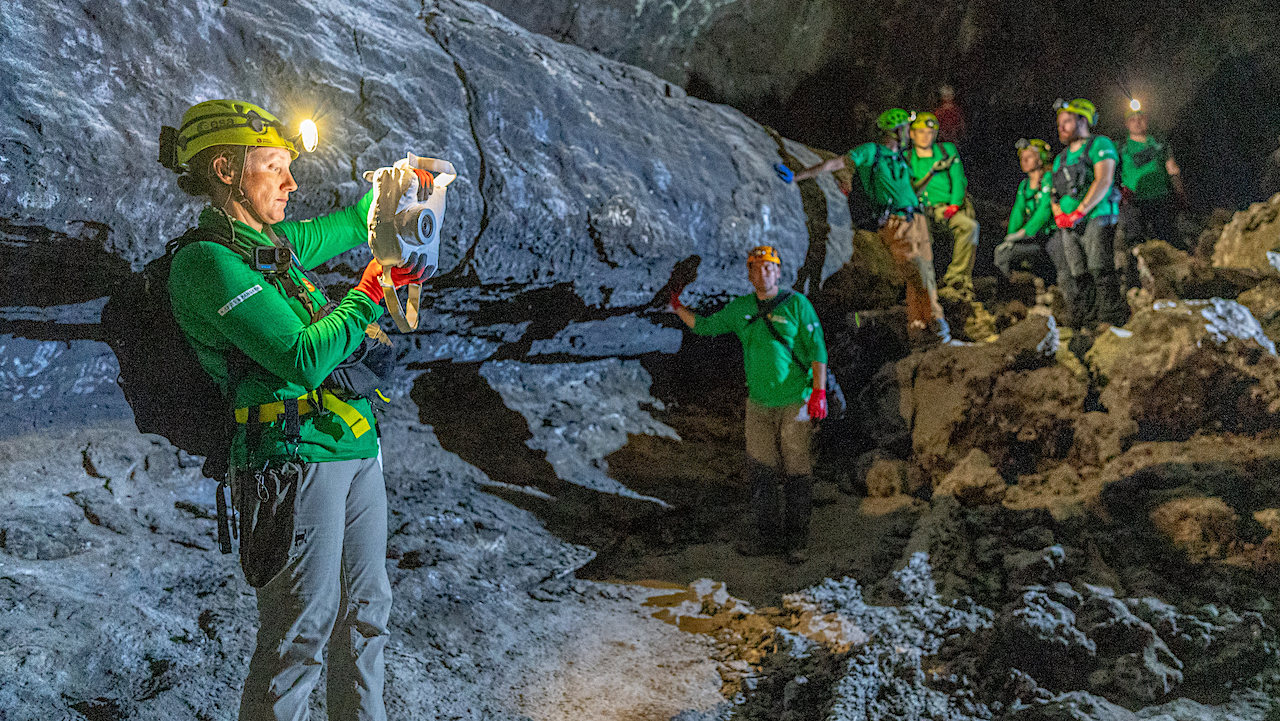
point(1134, 105)
point(309, 134)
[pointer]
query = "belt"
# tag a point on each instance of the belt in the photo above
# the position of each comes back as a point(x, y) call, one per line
point(319, 400)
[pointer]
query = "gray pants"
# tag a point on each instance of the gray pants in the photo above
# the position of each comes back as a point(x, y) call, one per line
point(334, 589)
point(1089, 252)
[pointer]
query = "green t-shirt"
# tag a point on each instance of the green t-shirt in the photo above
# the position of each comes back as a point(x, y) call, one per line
point(1099, 148)
point(773, 378)
point(225, 306)
point(885, 176)
point(946, 187)
point(1142, 168)
point(1032, 208)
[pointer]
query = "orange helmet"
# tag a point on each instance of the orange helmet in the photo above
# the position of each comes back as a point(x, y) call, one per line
point(763, 254)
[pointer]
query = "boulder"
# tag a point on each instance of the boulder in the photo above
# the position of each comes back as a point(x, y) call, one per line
point(1167, 272)
point(1008, 398)
point(1074, 706)
point(1252, 239)
point(1264, 302)
point(973, 481)
point(1182, 366)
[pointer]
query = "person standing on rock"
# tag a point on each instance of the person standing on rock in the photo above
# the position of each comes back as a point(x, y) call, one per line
point(786, 364)
point(1085, 209)
point(306, 467)
point(950, 116)
point(937, 174)
point(1150, 187)
point(1029, 233)
point(886, 179)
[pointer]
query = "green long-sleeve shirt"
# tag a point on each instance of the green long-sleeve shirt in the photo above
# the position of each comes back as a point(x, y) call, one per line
point(773, 378)
point(944, 188)
point(1032, 208)
point(884, 175)
point(225, 308)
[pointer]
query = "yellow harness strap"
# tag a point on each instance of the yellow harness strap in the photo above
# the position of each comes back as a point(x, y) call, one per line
point(271, 412)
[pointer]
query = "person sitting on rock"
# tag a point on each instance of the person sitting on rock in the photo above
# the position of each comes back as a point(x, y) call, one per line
point(1151, 190)
point(1085, 208)
point(937, 174)
point(886, 179)
point(306, 467)
point(786, 363)
point(1029, 233)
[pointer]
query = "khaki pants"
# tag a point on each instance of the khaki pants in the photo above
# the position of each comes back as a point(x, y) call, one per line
point(963, 228)
point(778, 454)
point(334, 589)
point(913, 255)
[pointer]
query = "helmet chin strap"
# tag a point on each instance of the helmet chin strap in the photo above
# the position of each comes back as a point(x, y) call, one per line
point(237, 195)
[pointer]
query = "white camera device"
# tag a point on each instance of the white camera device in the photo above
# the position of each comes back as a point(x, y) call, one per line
point(404, 225)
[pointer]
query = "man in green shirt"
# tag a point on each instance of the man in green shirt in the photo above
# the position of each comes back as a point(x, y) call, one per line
point(937, 174)
point(886, 179)
point(779, 331)
point(306, 464)
point(1085, 207)
point(1149, 180)
point(1029, 235)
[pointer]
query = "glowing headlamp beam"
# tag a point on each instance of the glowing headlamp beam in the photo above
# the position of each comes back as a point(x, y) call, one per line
point(1134, 105)
point(309, 134)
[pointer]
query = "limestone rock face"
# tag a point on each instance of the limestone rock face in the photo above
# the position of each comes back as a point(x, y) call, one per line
point(1181, 366)
point(1251, 239)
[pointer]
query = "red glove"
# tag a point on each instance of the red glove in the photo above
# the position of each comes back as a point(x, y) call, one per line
point(675, 301)
point(950, 210)
point(371, 285)
point(1068, 220)
point(818, 404)
point(425, 183)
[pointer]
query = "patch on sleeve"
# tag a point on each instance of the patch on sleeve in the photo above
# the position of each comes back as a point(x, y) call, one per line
point(239, 299)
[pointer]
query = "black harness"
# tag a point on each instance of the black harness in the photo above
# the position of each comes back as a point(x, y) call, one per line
point(1073, 180)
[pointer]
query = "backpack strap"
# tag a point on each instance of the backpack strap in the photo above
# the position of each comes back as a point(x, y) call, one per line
point(784, 294)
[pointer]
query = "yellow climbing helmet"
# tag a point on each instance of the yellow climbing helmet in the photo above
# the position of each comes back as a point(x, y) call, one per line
point(925, 119)
point(1041, 147)
point(227, 122)
point(1079, 106)
point(763, 254)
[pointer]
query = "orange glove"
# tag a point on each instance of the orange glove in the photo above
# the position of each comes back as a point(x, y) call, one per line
point(371, 286)
point(950, 210)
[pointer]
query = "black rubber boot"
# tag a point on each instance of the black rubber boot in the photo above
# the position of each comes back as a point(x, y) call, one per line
point(1112, 306)
point(799, 499)
point(1084, 312)
point(764, 506)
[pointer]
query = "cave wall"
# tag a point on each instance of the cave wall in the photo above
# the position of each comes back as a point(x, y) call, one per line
point(583, 181)
point(820, 71)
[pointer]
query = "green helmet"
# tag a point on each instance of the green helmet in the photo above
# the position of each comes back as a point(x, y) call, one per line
point(893, 118)
point(1079, 106)
point(925, 120)
point(1041, 147)
point(221, 122)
